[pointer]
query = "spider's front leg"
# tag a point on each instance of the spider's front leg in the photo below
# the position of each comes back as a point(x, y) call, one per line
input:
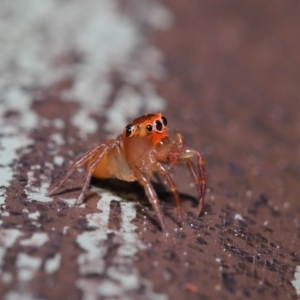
point(200, 178)
point(172, 187)
point(151, 194)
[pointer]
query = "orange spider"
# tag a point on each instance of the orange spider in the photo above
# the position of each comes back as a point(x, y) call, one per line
point(143, 148)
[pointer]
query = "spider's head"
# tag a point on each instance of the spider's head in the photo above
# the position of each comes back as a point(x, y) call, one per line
point(152, 126)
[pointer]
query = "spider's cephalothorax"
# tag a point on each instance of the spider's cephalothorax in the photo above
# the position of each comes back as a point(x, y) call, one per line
point(143, 148)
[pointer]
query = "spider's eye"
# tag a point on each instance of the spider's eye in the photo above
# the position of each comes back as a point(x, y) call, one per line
point(158, 125)
point(128, 130)
point(164, 120)
point(149, 128)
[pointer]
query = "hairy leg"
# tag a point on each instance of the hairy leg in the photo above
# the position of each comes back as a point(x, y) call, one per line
point(151, 194)
point(79, 163)
point(199, 180)
point(172, 187)
point(88, 177)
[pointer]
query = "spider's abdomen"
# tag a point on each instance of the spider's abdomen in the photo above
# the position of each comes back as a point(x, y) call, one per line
point(112, 164)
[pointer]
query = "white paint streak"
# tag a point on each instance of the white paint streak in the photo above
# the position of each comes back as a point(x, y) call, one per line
point(105, 40)
point(37, 239)
point(65, 229)
point(296, 282)
point(92, 261)
point(119, 281)
point(53, 264)
point(38, 193)
point(9, 236)
point(238, 217)
point(34, 216)
point(71, 202)
point(27, 266)
point(83, 121)
point(9, 145)
point(37, 42)
point(58, 160)
point(13, 295)
point(58, 123)
point(57, 138)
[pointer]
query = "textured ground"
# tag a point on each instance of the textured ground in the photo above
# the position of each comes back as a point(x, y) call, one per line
point(225, 74)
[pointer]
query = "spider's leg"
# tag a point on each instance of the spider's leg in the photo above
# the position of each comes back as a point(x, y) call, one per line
point(91, 168)
point(172, 187)
point(151, 194)
point(199, 180)
point(78, 163)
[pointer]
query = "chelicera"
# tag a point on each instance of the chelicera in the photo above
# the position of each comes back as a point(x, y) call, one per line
point(142, 149)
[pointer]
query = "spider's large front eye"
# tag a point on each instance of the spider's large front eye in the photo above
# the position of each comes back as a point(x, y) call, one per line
point(128, 130)
point(164, 120)
point(149, 128)
point(158, 125)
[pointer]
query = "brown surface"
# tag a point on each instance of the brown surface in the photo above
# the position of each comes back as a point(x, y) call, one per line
point(233, 91)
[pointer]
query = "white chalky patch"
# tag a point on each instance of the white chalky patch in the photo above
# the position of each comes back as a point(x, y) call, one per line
point(34, 216)
point(27, 266)
point(53, 264)
point(58, 160)
point(12, 295)
point(65, 229)
point(83, 121)
point(8, 237)
point(238, 217)
point(37, 239)
point(58, 123)
point(34, 41)
point(9, 145)
point(71, 202)
point(57, 139)
point(38, 193)
point(296, 281)
point(93, 261)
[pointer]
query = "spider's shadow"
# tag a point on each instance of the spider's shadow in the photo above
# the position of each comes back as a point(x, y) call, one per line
point(125, 189)
point(133, 191)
